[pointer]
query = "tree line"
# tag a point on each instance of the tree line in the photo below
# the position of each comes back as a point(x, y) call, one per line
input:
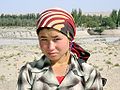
point(97, 23)
point(112, 21)
point(18, 20)
point(88, 21)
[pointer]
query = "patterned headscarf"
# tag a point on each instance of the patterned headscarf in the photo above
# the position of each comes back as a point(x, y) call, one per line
point(62, 21)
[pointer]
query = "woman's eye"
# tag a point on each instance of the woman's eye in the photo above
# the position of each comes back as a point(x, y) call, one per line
point(57, 39)
point(43, 39)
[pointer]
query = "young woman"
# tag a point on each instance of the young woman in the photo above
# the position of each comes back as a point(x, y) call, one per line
point(62, 67)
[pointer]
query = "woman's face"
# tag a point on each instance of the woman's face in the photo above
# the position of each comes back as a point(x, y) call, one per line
point(53, 44)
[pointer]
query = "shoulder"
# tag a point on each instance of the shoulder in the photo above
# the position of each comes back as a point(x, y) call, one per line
point(34, 66)
point(87, 68)
point(83, 66)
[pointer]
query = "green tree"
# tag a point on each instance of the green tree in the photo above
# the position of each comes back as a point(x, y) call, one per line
point(118, 19)
point(99, 30)
point(92, 24)
point(74, 14)
point(107, 22)
point(114, 16)
point(77, 16)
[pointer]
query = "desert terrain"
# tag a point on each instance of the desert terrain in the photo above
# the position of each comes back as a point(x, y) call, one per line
point(19, 45)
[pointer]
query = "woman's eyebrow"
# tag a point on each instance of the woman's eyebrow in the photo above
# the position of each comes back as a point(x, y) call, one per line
point(55, 36)
point(43, 37)
point(51, 36)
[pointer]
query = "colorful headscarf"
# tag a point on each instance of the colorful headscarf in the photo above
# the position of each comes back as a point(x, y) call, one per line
point(62, 21)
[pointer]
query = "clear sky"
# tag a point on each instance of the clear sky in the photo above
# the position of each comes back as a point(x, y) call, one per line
point(36, 6)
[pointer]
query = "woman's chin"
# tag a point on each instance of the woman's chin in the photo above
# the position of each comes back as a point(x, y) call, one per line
point(53, 58)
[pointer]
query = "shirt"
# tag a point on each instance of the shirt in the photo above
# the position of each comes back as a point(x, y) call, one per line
point(38, 75)
point(60, 78)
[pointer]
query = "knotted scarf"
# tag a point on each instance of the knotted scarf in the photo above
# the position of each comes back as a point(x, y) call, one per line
point(62, 21)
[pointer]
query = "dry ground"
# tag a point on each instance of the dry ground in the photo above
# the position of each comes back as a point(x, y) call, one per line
point(105, 57)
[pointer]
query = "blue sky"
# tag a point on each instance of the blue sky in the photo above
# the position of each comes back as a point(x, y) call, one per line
point(36, 6)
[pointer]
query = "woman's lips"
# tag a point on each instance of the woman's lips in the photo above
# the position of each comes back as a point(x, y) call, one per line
point(52, 54)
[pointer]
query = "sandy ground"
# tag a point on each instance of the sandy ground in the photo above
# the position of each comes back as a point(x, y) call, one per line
point(105, 57)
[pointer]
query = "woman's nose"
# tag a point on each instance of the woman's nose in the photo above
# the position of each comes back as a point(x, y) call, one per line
point(51, 45)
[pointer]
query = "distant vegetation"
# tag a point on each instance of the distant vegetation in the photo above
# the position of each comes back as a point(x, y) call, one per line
point(98, 23)
point(18, 20)
point(91, 21)
point(95, 22)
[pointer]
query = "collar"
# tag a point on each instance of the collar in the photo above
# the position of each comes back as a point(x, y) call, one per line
point(75, 66)
point(44, 63)
point(40, 65)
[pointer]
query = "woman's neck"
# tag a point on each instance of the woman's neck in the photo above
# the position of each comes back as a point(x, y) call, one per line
point(60, 67)
point(63, 60)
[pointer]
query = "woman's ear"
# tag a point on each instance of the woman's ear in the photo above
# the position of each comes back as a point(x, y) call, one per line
point(70, 44)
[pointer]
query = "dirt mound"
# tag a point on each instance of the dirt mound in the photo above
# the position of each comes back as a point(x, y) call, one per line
point(111, 32)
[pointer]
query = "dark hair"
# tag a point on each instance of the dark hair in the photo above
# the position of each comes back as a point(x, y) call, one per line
point(41, 28)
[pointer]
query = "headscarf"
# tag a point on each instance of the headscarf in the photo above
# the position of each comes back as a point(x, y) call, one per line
point(62, 21)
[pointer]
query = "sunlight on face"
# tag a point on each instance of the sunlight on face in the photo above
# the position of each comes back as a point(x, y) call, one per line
point(53, 43)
